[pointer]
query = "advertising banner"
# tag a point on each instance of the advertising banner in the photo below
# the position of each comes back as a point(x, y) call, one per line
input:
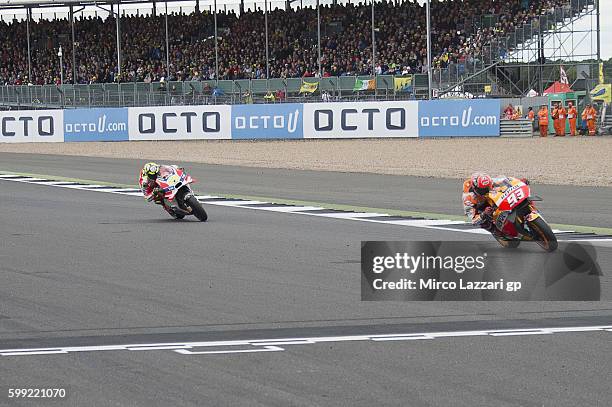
point(96, 124)
point(361, 119)
point(459, 118)
point(33, 126)
point(272, 121)
point(210, 122)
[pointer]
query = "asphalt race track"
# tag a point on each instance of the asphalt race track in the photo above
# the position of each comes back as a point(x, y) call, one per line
point(107, 297)
point(562, 204)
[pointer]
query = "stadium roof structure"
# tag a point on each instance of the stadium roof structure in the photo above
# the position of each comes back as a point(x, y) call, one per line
point(25, 4)
point(21, 4)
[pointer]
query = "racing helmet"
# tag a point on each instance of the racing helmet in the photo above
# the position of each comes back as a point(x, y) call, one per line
point(481, 183)
point(150, 170)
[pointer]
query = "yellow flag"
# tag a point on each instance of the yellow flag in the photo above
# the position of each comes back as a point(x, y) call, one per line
point(403, 84)
point(309, 87)
point(601, 73)
point(602, 92)
point(487, 88)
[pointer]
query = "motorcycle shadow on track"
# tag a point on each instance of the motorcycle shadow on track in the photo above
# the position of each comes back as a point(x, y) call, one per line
point(156, 220)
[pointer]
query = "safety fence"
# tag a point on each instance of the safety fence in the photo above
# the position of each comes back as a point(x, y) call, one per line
point(242, 91)
point(400, 119)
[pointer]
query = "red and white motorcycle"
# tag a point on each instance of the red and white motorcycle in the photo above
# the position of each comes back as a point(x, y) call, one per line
point(174, 190)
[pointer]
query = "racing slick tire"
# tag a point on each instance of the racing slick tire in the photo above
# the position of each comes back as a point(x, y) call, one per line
point(543, 235)
point(197, 208)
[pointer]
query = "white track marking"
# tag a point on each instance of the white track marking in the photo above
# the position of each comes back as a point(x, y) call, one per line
point(286, 209)
point(436, 224)
point(237, 202)
point(274, 344)
point(403, 338)
point(349, 215)
point(219, 352)
point(424, 222)
point(208, 197)
point(31, 353)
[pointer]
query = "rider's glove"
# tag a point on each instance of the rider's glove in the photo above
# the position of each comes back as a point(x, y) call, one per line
point(487, 213)
point(157, 195)
point(525, 181)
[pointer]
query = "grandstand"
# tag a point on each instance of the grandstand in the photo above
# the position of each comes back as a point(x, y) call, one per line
point(213, 55)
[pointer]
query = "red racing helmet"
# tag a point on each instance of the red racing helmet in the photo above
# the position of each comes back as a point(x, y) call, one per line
point(481, 183)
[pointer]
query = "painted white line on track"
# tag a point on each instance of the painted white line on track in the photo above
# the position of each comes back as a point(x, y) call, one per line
point(219, 352)
point(237, 202)
point(379, 218)
point(425, 222)
point(286, 209)
point(539, 332)
point(274, 344)
point(403, 338)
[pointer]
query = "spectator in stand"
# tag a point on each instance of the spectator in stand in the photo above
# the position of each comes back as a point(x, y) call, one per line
point(269, 97)
point(530, 115)
point(346, 50)
point(509, 112)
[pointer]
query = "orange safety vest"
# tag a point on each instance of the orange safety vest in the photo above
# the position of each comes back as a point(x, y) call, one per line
point(555, 113)
point(562, 113)
point(589, 114)
point(543, 116)
point(572, 113)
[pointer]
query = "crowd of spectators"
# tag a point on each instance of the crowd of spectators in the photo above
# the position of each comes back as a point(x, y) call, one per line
point(345, 45)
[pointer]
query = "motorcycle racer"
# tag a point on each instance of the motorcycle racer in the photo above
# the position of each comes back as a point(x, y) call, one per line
point(474, 199)
point(170, 187)
point(148, 175)
point(150, 189)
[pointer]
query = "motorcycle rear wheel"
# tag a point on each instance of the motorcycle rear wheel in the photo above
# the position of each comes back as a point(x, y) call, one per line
point(543, 235)
point(197, 208)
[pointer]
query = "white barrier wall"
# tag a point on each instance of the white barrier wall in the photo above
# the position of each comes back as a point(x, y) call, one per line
point(29, 126)
point(361, 120)
point(180, 122)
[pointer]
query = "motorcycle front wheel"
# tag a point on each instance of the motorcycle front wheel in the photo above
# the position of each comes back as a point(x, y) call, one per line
point(543, 235)
point(197, 208)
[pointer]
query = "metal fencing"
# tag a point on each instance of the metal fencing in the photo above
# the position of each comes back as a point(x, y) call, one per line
point(205, 92)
